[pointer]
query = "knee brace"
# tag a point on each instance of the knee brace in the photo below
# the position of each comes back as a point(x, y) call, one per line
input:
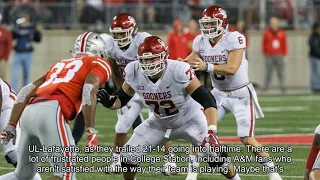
point(122, 128)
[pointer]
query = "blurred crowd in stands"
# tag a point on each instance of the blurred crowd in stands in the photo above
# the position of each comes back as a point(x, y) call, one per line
point(154, 14)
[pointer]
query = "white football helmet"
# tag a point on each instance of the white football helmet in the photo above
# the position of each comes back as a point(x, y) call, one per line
point(89, 44)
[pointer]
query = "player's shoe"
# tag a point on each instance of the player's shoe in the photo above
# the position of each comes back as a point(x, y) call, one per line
point(167, 166)
point(191, 175)
point(274, 176)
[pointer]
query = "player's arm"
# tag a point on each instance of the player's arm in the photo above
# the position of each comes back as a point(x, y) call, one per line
point(230, 68)
point(23, 97)
point(117, 75)
point(89, 99)
point(191, 56)
point(200, 94)
point(120, 98)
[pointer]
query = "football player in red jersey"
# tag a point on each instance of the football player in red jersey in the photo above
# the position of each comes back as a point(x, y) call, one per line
point(57, 96)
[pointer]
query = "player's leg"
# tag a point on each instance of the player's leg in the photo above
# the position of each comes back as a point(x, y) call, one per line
point(138, 121)
point(243, 104)
point(126, 116)
point(195, 131)
point(269, 69)
point(78, 128)
point(148, 135)
point(315, 173)
point(280, 66)
point(314, 151)
point(168, 164)
point(28, 144)
point(53, 130)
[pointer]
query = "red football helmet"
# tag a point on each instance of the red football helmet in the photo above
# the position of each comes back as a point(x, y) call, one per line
point(123, 23)
point(152, 55)
point(213, 22)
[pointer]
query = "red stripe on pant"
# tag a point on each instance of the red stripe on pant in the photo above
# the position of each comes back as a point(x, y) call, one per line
point(251, 115)
point(64, 141)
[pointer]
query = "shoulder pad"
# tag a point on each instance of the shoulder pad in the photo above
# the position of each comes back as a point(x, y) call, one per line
point(108, 40)
point(196, 43)
point(235, 40)
point(183, 73)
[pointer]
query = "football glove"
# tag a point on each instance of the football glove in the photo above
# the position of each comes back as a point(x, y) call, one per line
point(92, 139)
point(211, 141)
point(105, 99)
point(8, 133)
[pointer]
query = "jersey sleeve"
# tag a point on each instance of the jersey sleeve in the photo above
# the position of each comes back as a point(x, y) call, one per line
point(101, 68)
point(129, 71)
point(235, 41)
point(108, 41)
point(183, 73)
point(196, 44)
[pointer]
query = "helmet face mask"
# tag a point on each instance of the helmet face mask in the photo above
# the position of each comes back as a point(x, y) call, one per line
point(152, 64)
point(123, 28)
point(123, 37)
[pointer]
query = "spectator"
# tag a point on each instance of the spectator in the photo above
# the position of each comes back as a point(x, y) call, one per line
point(177, 42)
point(191, 32)
point(24, 33)
point(274, 48)
point(314, 43)
point(5, 49)
point(92, 14)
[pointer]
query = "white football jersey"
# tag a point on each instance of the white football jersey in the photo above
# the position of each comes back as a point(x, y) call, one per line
point(166, 98)
point(219, 55)
point(123, 57)
point(8, 95)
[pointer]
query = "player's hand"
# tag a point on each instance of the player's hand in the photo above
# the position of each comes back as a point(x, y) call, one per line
point(198, 64)
point(92, 139)
point(8, 133)
point(211, 141)
point(105, 99)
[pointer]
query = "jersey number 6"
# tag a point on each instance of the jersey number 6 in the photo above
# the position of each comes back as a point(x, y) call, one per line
point(169, 110)
point(61, 67)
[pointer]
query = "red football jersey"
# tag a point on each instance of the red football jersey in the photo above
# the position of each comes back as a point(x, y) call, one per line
point(65, 79)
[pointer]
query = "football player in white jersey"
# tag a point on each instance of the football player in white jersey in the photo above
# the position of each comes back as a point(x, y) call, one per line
point(313, 161)
point(222, 55)
point(122, 48)
point(7, 98)
point(181, 107)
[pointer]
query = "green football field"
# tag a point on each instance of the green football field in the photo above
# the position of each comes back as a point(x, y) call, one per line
point(284, 114)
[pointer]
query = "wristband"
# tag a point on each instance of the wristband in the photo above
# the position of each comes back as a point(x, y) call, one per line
point(212, 128)
point(91, 130)
point(12, 124)
point(209, 68)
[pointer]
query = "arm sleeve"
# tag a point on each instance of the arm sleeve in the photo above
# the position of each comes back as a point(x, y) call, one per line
point(37, 36)
point(236, 41)
point(196, 44)
point(102, 69)
point(285, 44)
point(314, 45)
point(9, 46)
point(263, 43)
point(183, 73)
